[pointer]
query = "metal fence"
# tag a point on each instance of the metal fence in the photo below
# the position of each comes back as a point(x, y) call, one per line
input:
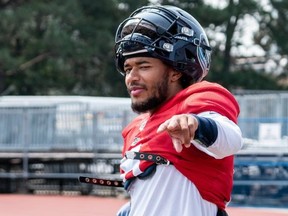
point(89, 123)
point(65, 123)
point(264, 118)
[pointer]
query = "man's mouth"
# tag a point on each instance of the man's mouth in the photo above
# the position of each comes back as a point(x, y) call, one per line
point(135, 91)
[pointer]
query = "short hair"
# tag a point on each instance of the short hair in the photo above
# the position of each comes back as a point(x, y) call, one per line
point(186, 80)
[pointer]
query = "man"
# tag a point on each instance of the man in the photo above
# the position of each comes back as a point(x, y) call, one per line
point(178, 153)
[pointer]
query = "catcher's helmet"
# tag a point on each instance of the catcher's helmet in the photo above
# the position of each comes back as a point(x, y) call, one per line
point(167, 33)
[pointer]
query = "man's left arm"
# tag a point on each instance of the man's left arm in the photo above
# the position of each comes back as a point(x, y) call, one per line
point(217, 135)
point(210, 132)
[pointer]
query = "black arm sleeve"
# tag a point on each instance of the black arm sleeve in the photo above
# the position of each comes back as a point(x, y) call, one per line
point(207, 131)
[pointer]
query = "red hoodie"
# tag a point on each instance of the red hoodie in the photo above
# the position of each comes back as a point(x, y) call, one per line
point(213, 177)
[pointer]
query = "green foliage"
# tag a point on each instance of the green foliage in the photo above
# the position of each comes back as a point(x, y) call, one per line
point(67, 47)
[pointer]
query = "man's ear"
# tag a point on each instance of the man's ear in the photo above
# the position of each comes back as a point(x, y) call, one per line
point(175, 75)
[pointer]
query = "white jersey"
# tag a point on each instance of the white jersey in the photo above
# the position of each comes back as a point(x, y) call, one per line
point(167, 192)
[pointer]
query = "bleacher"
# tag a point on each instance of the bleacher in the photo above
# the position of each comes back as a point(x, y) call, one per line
point(261, 167)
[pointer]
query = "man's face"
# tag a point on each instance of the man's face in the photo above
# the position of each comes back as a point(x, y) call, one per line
point(147, 81)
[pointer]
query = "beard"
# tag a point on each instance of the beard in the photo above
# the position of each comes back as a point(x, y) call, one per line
point(159, 97)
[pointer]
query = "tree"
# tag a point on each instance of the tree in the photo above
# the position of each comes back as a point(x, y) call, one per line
point(61, 47)
point(225, 28)
point(272, 37)
point(40, 47)
point(67, 47)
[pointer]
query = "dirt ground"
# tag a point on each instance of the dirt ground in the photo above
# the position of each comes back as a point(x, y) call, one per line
point(60, 205)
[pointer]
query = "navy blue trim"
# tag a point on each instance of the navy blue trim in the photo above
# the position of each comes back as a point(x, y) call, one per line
point(146, 174)
point(206, 132)
point(127, 183)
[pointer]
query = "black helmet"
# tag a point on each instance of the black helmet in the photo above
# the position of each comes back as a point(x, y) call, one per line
point(167, 33)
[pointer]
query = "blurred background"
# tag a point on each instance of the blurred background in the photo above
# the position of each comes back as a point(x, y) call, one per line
point(63, 105)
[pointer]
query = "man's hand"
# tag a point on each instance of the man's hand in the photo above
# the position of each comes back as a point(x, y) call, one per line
point(181, 129)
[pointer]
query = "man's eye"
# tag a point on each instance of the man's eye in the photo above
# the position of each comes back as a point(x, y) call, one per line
point(127, 71)
point(145, 67)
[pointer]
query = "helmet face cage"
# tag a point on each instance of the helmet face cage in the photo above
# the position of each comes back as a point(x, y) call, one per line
point(167, 33)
